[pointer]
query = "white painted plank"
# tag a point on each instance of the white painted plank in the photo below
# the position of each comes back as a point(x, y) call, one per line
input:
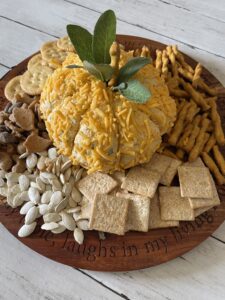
point(220, 232)
point(3, 70)
point(30, 40)
point(18, 42)
point(168, 20)
point(156, 16)
point(212, 9)
point(24, 274)
point(198, 275)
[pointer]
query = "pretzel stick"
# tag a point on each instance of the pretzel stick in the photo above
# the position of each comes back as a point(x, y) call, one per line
point(145, 52)
point(197, 75)
point(172, 59)
point(187, 132)
point(181, 60)
point(219, 159)
point(158, 61)
point(218, 131)
point(179, 125)
point(210, 143)
point(192, 112)
point(195, 95)
point(178, 93)
point(196, 150)
point(213, 168)
point(185, 73)
point(203, 86)
point(169, 153)
point(192, 138)
point(165, 62)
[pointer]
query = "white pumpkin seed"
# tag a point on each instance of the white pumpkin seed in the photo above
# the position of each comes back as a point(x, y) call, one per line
point(47, 176)
point(24, 209)
point(34, 195)
point(68, 221)
point(24, 182)
point(66, 166)
point(72, 203)
point(56, 185)
point(41, 163)
point(61, 205)
point(83, 224)
point(45, 198)
point(67, 174)
point(24, 155)
point(43, 209)
point(48, 187)
point(40, 184)
point(77, 216)
point(67, 188)
point(65, 159)
point(56, 198)
point(31, 215)
point(31, 161)
point(76, 195)
point(49, 226)
point(78, 236)
point(73, 210)
point(26, 230)
point(62, 178)
point(79, 174)
point(58, 165)
point(58, 230)
point(52, 217)
point(52, 153)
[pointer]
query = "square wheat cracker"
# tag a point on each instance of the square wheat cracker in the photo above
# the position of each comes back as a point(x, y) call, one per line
point(195, 182)
point(203, 202)
point(138, 212)
point(196, 163)
point(141, 181)
point(200, 211)
point(155, 220)
point(170, 172)
point(109, 214)
point(173, 206)
point(158, 163)
point(96, 183)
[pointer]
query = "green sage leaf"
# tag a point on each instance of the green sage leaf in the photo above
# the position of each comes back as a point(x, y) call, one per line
point(82, 41)
point(131, 68)
point(92, 69)
point(101, 71)
point(136, 91)
point(104, 36)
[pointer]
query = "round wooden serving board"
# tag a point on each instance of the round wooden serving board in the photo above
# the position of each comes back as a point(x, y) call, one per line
point(135, 250)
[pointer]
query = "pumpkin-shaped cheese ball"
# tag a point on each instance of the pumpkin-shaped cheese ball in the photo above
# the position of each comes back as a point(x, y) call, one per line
point(99, 128)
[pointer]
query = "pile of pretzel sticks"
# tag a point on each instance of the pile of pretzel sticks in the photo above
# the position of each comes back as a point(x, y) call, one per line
point(197, 130)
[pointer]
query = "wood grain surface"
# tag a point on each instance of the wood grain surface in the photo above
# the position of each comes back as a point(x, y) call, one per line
point(134, 250)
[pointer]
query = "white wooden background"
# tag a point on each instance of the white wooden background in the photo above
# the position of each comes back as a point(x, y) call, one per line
point(198, 27)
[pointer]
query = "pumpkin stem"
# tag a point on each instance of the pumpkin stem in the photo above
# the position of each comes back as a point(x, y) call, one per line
point(115, 58)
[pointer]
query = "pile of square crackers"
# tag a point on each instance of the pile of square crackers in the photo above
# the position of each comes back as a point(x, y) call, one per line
point(148, 196)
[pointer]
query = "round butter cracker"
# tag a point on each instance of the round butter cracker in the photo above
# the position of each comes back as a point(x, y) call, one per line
point(32, 82)
point(14, 92)
point(65, 44)
point(52, 54)
point(35, 61)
